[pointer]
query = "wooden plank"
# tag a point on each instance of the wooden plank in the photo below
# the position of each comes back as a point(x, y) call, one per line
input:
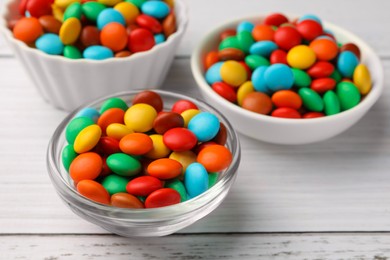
point(338, 185)
point(247, 246)
point(365, 18)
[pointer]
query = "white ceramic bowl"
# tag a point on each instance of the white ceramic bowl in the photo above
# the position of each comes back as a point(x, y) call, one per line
point(280, 130)
point(67, 83)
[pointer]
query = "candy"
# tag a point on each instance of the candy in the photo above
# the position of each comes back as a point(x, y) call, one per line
point(93, 191)
point(196, 179)
point(348, 94)
point(300, 56)
point(50, 43)
point(123, 164)
point(86, 166)
point(125, 200)
point(94, 30)
point(111, 164)
point(162, 198)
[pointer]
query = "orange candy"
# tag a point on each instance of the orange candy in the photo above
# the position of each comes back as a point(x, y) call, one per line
point(93, 191)
point(136, 144)
point(257, 102)
point(28, 29)
point(263, 33)
point(114, 36)
point(287, 98)
point(165, 168)
point(325, 49)
point(125, 200)
point(215, 158)
point(210, 59)
point(110, 116)
point(86, 166)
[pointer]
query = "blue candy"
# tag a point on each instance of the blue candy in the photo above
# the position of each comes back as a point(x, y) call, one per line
point(263, 48)
point(309, 17)
point(50, 43)
point(89, 112)
point(245, 26)
point(196, 179)
point(279, 76)
point(346, 63)
point(156, 9)
point(97, 52)
point(258, 79)
point(159, 38)
point(109, 15)
point(213, 74)
point(205, 126)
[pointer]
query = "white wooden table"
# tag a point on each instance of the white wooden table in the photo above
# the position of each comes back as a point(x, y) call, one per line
point(329, 200)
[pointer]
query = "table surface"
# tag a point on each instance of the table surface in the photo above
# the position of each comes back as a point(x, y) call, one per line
point(329, 200)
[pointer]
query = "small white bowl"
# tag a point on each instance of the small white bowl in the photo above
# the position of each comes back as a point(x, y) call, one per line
point(67, 83)
point(281, 130)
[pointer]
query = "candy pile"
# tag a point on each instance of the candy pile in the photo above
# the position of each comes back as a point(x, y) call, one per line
point(288, 69)
point(141, 156)
point(94, 29)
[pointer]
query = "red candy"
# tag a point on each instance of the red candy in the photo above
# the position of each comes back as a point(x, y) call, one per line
point(183, 105)
point(167, 120)
point(312, 115)
point(140, 40)
point(143, 186)
point(309, 29)
point(275, 19)
point(287, 37)
point(179, 139)
point(321, 69)
point(107, 145)
point(323, 85)
point(286, 112)
point(37, 8)
point(226, 91)
point(148, 22)
point(162, 198)
point(278, 56)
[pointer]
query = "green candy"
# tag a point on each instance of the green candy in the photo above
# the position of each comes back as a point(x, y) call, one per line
point(75, 126)
point(245, 40)
point(178, 186)
point(213, 178)
point(115, 184)
point(137, 3)
point(72, 52)
point(113, 103)
point(348, 94)
point(123, 164)
point(230, 42)
point(301, 78)
point(68, 155)
point(336, 76)
point(331, 103)
point(91, 10)
point(73, 10)
point(254, 61)
point(311, 99)
point(141, 198)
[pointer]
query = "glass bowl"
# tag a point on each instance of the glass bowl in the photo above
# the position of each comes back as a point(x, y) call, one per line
point(141, 222)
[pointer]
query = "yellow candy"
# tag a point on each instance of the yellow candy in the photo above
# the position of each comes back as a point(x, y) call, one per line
point(70, 31)
point(170, 3)
point(362, 79)
point(301, 57)
point(159, 149)
point(244, 90)
point(128, 10)
point(233, 73)
point(87, 139)
point(65, 3)
point(184, 158)
point(140, 117)
point(58, 13)
point(188, 115)
point(117, 130)
point(109, 2)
